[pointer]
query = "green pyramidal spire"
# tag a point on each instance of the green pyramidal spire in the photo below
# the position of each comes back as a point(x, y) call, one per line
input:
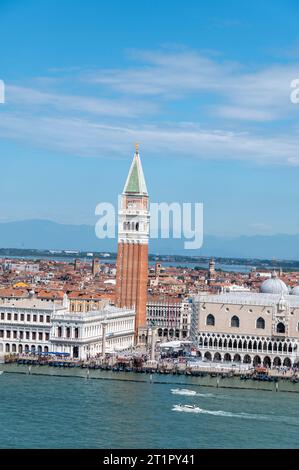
point(135, 183)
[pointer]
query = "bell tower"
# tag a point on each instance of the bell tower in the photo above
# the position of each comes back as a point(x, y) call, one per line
point(133, 236)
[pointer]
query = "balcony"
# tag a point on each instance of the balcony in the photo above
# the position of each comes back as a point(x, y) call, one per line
point(65, 339)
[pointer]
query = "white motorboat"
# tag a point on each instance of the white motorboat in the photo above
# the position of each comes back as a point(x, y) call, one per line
point(191, 408)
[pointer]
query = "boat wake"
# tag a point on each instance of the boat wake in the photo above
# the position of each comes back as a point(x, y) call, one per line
point(206, 395)
point(183, 391)
point(225, 414)
point(187, 392)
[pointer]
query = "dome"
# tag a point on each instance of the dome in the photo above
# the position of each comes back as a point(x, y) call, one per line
point(295, 290)
point(274, 285)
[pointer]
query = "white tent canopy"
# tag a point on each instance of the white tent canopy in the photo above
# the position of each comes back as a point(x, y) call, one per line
point(175, 344)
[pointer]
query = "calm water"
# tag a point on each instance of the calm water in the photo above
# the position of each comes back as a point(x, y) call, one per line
point(55, 412)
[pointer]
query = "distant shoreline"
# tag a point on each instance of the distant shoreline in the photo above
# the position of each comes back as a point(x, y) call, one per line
point(201, 261)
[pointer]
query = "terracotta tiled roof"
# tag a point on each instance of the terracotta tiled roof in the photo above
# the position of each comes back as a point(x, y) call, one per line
point(11, 292)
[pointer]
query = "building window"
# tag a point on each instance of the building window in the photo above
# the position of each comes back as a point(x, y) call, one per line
point(210, 320)
point(22, 316)
point(28, 317)
point(15, 317)
point(33, 335)
point(9, 316)
point(280, 328)
point(2, 315)
point(260, 323)
point(7, 334)
point(1, 333)
point(59, 332)
point(47, 336)
point(40, 336)
point(27, 335)
point(34, 317)
point(76, 332)
point(235, 322)
point(48, 319)
point(68, 332)
point(21, 334)
point(41, 318)
point(15, 334)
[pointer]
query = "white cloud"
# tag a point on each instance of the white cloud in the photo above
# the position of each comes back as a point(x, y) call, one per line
point(246, 114)
point(25, 96)
point(168, 73)
point(90, 138)
point(108, 127)
point(263, 93)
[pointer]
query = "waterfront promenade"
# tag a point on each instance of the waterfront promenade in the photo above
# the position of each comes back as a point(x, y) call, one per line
point(164, 371)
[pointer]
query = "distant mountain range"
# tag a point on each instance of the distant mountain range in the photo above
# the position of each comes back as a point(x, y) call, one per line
point(44, 234)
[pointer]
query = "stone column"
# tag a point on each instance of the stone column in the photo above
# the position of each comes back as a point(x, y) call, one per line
point(153, 343)
point(104, 325)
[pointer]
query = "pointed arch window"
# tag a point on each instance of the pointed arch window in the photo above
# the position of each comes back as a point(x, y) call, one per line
point(280, 328)
point(211, 320)
point(235, 322)
point(260, 323)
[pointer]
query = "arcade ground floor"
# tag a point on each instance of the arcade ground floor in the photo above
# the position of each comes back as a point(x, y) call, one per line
point(254, 350)
point(250, 358)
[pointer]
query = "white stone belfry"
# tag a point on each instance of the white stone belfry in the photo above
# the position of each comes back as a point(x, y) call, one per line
point(133, 211)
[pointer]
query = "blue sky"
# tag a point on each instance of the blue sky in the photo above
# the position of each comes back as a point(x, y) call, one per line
point(204, 87)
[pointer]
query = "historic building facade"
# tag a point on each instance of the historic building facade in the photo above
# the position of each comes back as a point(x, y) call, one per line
point(132, 255)
point(82, 302)
point(171, 317)
point(25, 325)
point(253, 328)
point(31, 325)
point(85, 335)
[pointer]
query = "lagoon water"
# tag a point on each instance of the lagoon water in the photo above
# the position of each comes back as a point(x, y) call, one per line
point(67, 412)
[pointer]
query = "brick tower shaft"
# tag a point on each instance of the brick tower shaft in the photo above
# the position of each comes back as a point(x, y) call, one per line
point(131, 279)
